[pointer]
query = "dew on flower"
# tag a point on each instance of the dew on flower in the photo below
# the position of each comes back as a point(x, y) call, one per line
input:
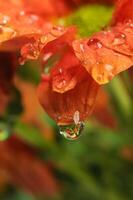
point(72, 131)
point(108, 67)
point(94, 43)
point(4, 19)
point(120, 39)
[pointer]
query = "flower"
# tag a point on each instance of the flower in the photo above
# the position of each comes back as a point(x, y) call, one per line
point(78, 67)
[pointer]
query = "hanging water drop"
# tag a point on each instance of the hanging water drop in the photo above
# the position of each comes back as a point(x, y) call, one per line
point(72, 131)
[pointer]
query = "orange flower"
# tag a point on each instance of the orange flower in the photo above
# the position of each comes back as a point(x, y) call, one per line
point(68, 87)
point(123, 11)
point(79, 66)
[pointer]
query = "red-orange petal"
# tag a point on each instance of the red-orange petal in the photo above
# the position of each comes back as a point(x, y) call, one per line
point(62, 106)
point(107, 53)
point(123, 11)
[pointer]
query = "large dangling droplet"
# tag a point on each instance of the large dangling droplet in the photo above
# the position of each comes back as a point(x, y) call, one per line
point(72, 131)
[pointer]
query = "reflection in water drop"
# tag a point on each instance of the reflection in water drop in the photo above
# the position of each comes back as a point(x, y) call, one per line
point(72, 131)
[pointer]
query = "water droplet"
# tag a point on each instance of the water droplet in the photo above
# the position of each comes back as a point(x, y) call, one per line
point(94, 43)
point(72, 131)
point(43, 39)
point(99, 77)
point(60, 70)
point(34, 17)
point(82, 47)
point(119, 39)
point(61, 83)
point(108, 67)
point(56, 31)
point(58, 28)
point(22, 13)
point(4, 19)
point(46, 56)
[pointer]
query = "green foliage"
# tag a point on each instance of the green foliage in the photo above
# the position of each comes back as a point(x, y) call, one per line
point(89, 19)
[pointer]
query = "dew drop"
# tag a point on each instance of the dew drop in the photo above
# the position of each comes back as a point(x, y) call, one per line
point(94, 43)
point(61, 83)
point(46, 56)
point(4, 19)
point(22, 13)
point(72, 131)
point(43, 39)
point(60, 70)
point(82, 47)
point(109, 67)
point(120, 39)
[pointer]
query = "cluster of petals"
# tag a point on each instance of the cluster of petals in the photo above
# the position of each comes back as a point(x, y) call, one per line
point(80, 66)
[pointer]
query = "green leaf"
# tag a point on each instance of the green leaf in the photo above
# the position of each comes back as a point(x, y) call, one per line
point(89, 19)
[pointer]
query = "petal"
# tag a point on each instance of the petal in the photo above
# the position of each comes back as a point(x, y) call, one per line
point(107, 53)
point(103, 111)
point(62, 106)
point(123, 12)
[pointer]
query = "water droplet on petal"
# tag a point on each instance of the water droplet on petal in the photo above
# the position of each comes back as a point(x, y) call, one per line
point(120, 39)
point(60, 70)
point(73, 131)
point(4, 19)
point(46, 56)
point(99, 77)
point(43, 39)
point(61, 83)
point(82, 47)
point(94, 43)
point(108, 67)
point(22, 13)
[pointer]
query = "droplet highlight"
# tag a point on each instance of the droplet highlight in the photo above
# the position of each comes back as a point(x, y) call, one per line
point(94, 43)
point(120, 39)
